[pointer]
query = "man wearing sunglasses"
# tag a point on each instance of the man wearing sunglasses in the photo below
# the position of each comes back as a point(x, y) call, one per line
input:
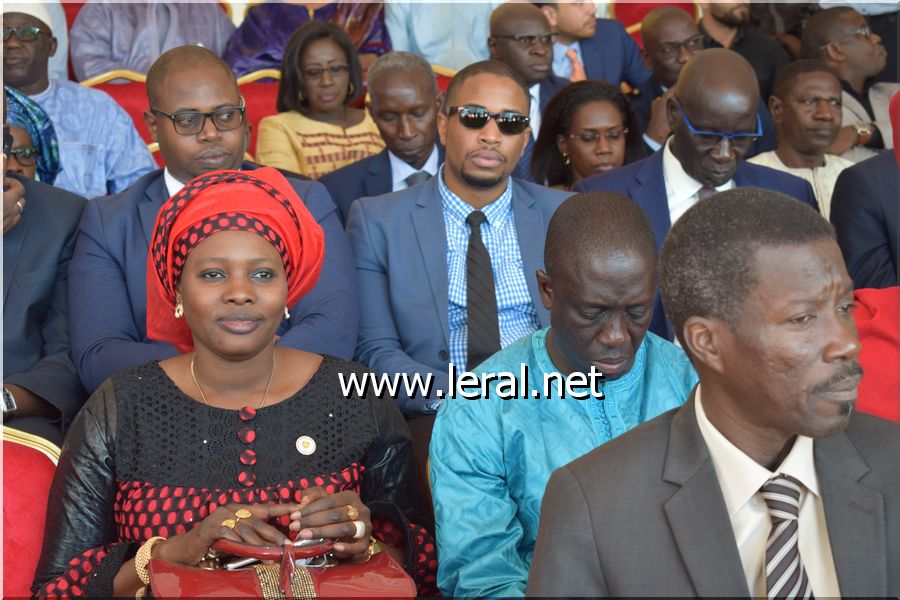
point(841, 38)
point(714, 117)
point(197, 117)
point(671, 39)
point(100, 149)
point(521, 37)
point(446, 267)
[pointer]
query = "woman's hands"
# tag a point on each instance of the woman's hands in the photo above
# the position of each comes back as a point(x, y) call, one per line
point(323, 515)
point(245, 523)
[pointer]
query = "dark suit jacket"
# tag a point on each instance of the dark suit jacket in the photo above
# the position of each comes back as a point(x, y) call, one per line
point(644, 515)
point(613, 56)
point(108, 286)
point(549, 87)
point(370, 176)
point(643, 96)
point(36, 256)
point(400, 243)
point(644, 183)
point(865, 211)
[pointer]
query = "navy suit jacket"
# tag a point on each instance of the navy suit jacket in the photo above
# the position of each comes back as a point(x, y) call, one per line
point(36, 257)
point(644, 183)
point(865, 211)
point(108, 283)
point(400, 243)
point(370, 176)
point(644, 95)
point(613, 56)
point(549, 87)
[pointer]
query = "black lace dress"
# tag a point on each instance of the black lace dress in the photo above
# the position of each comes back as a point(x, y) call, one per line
point(143, 459)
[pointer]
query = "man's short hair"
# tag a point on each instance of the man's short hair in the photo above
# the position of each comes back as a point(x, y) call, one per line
point(592, 222)
point(402, 62)
point(486, 67)
point(706, 268)
point(788, 75)
point(180, 57)
point(822, 28)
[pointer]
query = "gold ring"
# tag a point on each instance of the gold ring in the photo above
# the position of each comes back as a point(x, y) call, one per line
point(229, 523)
point(243, 513)
point(360, 530)
point(352, 513)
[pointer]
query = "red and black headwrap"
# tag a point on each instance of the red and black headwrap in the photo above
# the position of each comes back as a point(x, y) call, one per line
point(261, 202)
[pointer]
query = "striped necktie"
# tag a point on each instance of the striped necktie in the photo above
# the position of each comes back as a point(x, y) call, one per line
point(785, 575)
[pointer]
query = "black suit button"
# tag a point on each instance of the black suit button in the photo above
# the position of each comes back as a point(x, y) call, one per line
point(443, 355)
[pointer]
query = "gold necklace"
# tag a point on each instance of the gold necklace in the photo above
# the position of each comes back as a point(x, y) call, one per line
point(203, 396)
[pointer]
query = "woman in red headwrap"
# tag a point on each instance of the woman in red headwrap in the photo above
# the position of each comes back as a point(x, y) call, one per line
point(236, 436)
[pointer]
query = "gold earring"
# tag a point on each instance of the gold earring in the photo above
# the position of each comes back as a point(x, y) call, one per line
point(566, 160)
point(179, 310)
point(287, 314)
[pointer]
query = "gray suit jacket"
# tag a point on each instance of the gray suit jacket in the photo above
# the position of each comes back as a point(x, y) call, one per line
point(643, 515)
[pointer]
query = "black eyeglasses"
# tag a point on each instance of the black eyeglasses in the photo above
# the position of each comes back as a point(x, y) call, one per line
point(317, 72)
point(528, 41)
point(864, 31)
point(192, 122)
point(671, 49)
point(26, 33)
point(710, 138)
point(475, 117)
point(24, 156)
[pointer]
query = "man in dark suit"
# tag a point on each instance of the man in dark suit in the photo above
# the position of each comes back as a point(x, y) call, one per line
point(713, 115)
point(404, 103)
point(671, 39)
point(520, 37)
point(424, 253)
point(41, 391)
point(764, 483)
point(109, 269)
point(865, 212)
point(590, 48)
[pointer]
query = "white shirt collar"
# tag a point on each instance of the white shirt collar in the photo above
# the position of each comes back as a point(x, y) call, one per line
point(682, 186)
point(740, 477)
point(400, 169)
point(173, 186)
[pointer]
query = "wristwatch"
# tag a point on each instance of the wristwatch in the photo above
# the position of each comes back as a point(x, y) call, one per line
point(9, 404)
point(863, 133)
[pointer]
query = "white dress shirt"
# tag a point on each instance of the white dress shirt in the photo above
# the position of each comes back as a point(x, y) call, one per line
point(682, 190)
point(400, 169)
point(740, 478)
point(173, 186)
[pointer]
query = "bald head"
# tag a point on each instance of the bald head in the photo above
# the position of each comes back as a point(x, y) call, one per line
point(715, 72)
point(195, 58)
point(671, 39)
point(514, 26)
point(658, 21)
point(596, 223)
point(506, 17)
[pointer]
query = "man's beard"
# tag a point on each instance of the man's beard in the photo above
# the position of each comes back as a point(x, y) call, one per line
point(481, 182)
point(733, 19)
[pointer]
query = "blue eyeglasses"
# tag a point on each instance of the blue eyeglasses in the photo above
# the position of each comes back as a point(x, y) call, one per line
point(711, 138)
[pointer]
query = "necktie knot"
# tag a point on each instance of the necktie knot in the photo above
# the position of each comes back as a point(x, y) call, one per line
point(782, 496)
point(417, 177)
point(706, 191)
point(475, 219)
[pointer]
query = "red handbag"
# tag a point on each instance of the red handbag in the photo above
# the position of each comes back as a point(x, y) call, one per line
point(379, 577)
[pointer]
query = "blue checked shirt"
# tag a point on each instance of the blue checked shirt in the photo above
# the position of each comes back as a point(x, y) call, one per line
point(516, 313)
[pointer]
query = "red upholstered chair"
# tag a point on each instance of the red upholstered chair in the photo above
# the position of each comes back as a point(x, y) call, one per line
point(444, 75)
point(28, 466)
point(259, 89)
point(630, 14)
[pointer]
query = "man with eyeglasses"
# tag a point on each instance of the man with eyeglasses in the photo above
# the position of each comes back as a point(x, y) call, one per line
point(197, 116)
point(445, 267)
point(100, 150)
point(841, 38)
point(41, 390)
point(726, 25)
point(590, 48)
point(714, 117)
point(671, 38)
point(521, 38)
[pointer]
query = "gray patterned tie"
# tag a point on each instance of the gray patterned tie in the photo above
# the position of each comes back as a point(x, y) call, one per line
point(481, 299)
point(417, 177)
point(785, 575)
point(705, 192)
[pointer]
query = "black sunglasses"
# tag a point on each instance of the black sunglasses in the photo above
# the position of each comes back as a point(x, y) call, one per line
point(26, 33)
point(475, 117)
